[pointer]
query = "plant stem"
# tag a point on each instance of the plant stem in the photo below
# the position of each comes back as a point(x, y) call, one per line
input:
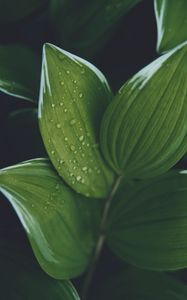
point(101, 240)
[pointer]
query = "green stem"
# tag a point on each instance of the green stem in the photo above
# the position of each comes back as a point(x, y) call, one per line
point(100, 241)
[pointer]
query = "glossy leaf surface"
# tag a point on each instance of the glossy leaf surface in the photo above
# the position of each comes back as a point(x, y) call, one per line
point(84, 26)
point(19, 72)
point(60, 224)
point(11, 11)
point(73, 97)
point(136, 284)
point(21, 278)
point(144, 129)
point(171, 18)
point(148, 223)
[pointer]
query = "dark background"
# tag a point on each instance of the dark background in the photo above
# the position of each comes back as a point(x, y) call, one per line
point(131, 47)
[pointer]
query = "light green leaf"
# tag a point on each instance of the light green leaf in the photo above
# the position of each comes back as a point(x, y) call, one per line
point(148, 223)
point(136, 284)
point(85, 26)
point(171, 18)
point(73, 97)
point(11, 11)
point(19, 72)
point(144, 129)
point(22, 279)
point(61, 225)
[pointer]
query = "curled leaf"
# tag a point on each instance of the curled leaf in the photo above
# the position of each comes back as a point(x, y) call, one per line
point(144, 129)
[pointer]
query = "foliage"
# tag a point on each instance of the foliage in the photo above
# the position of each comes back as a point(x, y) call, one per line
point(101, 174)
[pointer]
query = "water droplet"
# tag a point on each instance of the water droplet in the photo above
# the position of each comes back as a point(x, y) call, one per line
point(62, 82)
point(61, 103)
point(66, 139)
point(71, 174)
point(82, 71)
point(74, 168)
point(90, 170)
point(75, 81)
point(67, 72)
point(60, 73)
point(80, 95)
point(61, 162)
point(72, 122)
point(53, 105)
point(88, 145)
point(58, 125)
point(74, 161)
point(72, 148)
point(57, 187)
point(73, 182)
point(81, 138)
point(84, 169)
point(52, 152)
point(83, 155)
point(65, 110)
point(78, 178)
point(82, 180)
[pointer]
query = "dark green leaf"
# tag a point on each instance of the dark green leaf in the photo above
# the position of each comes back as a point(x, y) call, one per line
point(171, 18)
point(73, 97)
point(84, 26)
point(19, 72)
point(148, 223)
point(135, 284)
point(22, 279)
point(11, 11)
point(144, 129)
point(60, 224)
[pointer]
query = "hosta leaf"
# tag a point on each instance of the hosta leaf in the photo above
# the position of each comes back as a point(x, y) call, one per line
point(84, 26)
point(11, 11)
point(73, 96)
point(148, 223)
point(22, 279)
point(144, 129)
point(60, 224)
point(19, 72)
point(135, 284)
point(171, 18)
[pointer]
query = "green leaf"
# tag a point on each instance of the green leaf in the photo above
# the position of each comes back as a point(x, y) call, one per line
point(135, 284)
point(61, 225)
point(148, 223)
point(19, 72)
point(144, 129)
point(73, 97)
point(85, 26)
point(11, 11)
point(171, 18)
point(22, 279)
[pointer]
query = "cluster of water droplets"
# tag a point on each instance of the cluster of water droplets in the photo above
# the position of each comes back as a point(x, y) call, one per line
point(77, 173)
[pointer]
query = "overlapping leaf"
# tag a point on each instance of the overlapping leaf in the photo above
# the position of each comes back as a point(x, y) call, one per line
point(135, 284)
point(144, 129)
point(148, 223)
point(19, 72)
point(171, 17)
point(60, 224)
point(21, 278)
point(84, 26)
point(73, 96)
